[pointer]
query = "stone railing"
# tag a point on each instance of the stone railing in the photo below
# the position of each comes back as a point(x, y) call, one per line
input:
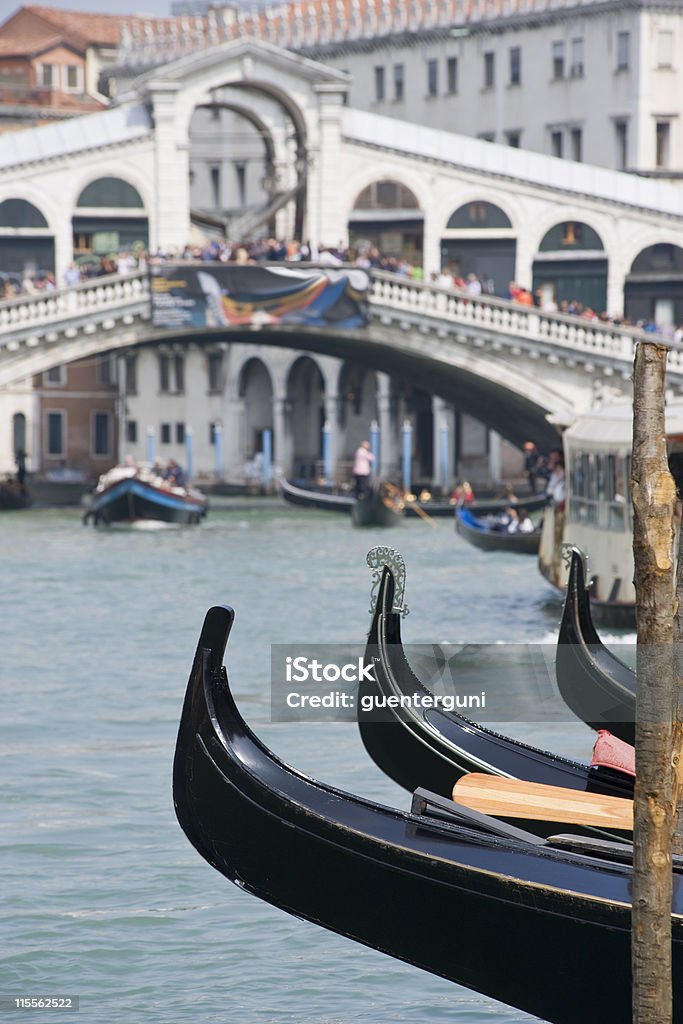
point(506, 322)
point(511, 320)
point(99, 295)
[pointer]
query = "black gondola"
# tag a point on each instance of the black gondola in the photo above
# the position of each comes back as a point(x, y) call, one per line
point(594, 683)
point(417, 745)
point(540, 925)
point(482, 533)
point(374, 508)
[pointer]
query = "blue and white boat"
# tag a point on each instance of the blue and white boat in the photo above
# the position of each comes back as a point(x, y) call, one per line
point(132, 495)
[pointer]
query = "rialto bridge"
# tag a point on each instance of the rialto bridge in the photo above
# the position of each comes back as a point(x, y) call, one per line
point(518, 369)
point(123, 176)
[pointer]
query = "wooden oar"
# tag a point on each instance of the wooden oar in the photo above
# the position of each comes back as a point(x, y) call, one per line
point(412, 504)
point(513, 798)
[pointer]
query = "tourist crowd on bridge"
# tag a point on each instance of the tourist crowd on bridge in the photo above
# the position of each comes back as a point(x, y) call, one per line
point(271, 250)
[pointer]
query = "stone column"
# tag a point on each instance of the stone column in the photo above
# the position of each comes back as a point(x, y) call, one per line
point(388, 429)
point(443, 413)
point(326, 220)
point(232, 422)
point(332, 419)
point(170, 219)
point(495, 460)
point(282, 433)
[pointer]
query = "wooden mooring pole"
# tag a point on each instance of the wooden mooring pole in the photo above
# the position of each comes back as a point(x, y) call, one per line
point(654, 496)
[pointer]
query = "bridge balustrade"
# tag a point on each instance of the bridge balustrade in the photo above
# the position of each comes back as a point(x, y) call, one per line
point(111, 292)
point(500, 321)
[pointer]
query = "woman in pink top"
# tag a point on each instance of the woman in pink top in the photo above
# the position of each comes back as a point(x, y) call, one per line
point(362, 467)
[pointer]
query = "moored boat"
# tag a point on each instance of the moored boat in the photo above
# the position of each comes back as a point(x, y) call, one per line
point(482, 532)
point(13, 497)
point(439, 887)
point(131, 495)
point(598, 687)
point(596, 516)
point(418, 743)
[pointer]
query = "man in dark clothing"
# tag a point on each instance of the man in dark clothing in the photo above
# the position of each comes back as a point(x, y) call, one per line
point(20, 459)
point(533, 462)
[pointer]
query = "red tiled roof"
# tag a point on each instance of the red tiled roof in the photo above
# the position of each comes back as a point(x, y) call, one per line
point(99, 29)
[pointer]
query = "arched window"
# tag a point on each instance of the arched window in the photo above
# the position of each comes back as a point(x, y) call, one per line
point(663, 258)
point(570, 236)
point(479, 214)
point(18, 213)
point(19, 432)
point(386, 195)
point(110, 192)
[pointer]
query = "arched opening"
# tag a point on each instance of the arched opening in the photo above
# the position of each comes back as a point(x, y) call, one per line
point(418, 406)
point(110, 218)
point(653, 290)
point(256, 389)
point(387, 216)
point(233, 184)
point(18, 433)
point(358, 405)
point(478, 239)
point(306, 397)
point(570, 267)
point(27, 246)
point(299, 140)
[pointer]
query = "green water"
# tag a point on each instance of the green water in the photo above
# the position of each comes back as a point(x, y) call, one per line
point(103, 897)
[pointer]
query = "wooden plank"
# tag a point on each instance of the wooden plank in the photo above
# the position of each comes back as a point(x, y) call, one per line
point(513, 798)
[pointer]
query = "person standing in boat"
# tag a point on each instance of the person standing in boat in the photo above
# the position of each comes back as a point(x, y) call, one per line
point(533, 462)
point(556, 490)
point(362, 467)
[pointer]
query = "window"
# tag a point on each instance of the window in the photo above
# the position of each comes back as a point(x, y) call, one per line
point(101, 434)
point(623, 50)
point(556, 143)
point(515, 65)
point(662, 143)
point(164, 374)
point(55, 376)
point(432, 77)
point(132, 431)
point(452, 75)
point(47, 75)
point(513, 139)
point(180, 433)
point(215, 175)
point(55, 433)
point(131, 375)
point(179, 369)
point(486, 136)
point(212, 433)
point(399, 81)
point(165, 433)
point(379, 84)
point(576, 140)
point(665, 49)
point(107, 371)
point(621, 138)
point(558, 60)
point(576, 69)
point(241, 176)
point(215, 372)
point(72, 77)
point(489, 70)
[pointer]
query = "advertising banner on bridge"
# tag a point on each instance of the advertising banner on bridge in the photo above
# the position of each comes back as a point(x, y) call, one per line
point(230, 295)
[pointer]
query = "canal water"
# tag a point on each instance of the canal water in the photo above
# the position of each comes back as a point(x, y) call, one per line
point(103, 897)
